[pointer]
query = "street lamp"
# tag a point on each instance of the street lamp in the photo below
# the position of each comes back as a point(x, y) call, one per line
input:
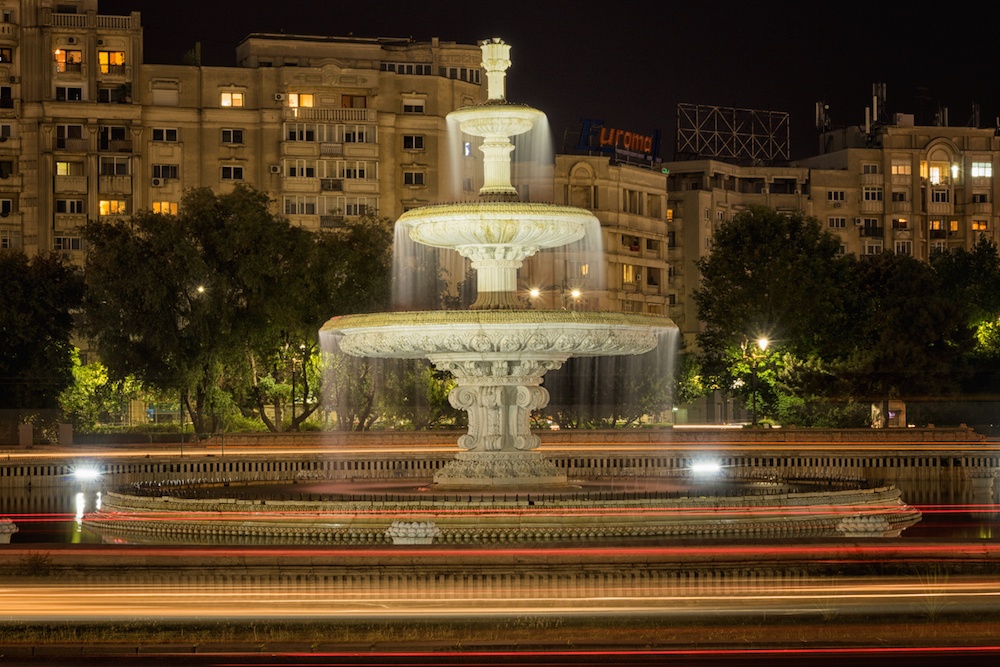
point(762, 343)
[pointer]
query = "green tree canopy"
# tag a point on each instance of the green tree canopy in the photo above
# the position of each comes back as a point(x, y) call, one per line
point(37, 303)
point(223, 302)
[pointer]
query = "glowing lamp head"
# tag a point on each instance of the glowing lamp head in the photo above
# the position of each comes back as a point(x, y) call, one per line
point(710, 467)
point(86, 473)
point(576, 294)
point(762, 343)
point(535, 292)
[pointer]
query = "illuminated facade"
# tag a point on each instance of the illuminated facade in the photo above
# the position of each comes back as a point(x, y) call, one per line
point(328, 126)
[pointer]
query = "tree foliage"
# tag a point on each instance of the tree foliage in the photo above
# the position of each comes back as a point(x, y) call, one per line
point(222, 302)
point(37, 303)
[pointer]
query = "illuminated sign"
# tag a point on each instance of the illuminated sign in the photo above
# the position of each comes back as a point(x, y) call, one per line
point(596, 136)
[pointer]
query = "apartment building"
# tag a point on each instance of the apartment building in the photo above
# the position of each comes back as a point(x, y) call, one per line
point(328, 126)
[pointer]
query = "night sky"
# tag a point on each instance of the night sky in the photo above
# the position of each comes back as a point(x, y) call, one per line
point(630, 63)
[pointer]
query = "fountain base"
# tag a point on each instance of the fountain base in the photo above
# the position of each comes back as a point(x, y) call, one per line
point(500, 470)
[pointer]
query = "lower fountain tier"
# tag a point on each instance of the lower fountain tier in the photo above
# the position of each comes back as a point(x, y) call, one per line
point(498, 358)
point(856, 513)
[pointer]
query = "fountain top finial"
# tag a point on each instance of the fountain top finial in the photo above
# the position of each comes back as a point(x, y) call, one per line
point(496, 60)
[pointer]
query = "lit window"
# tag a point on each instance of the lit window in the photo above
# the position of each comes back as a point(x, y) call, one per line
point(467, 149)
point(231, 99)
point(68, 61)
point(980, 226)
point(953, 225)
point(6, 55)
point(631, 275)
point(165, 207)
point(300, 99)
point(64, 168)
point(111, 62)
point(901, 168)
point(982, 169)
point(111, 207)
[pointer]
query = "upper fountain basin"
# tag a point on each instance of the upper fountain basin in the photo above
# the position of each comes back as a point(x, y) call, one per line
point(492, 223)
point(497, 334)
point(496, 120)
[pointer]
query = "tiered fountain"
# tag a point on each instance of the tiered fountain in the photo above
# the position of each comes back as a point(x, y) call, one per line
point(499, 350)
point(499, 487)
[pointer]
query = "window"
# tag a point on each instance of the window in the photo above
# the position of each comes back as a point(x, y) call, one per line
point(300, 205)
point(6, 56)
point(70, 136)
point(940, 196)
point(652, 277)
point(63, 243)
point(300, 168)
point(413, 105)
point(6, 207)
point(980, 198)
point(113, 138)
point(68, 61)
point(301, 132)
point(5, 130)
point(899, 224)
point(873, 247)
point(117, 95)
point(66, 168)
point(837, 223)
point(631, 243)
point(836, 195)
point(869, 168)
point(300, 99)
point(6, 168)
point(652, 245)
point(111, 62)
point(982, 170)
point(72, 206)
point(165, 171)
point(353, 101)
point(901, 168)
point(113, 165)
point(980, 226)
point(872, 193)
point(232, 172)
point(938, 247)
point(671, 239)
point(112, 207)
point(231, 99)
point(167, 134)
point(413, 178)
point(232, 136)
point(904, 247)
point(413, 142)
point(953, 226)
point(6, 97)
point(632, 202)
point(7, 16)
point(631, 274)
point(935, 225)
point(898, 195)
point(69, 94)
point(165, 207)
point(360, 170)
point(357, 134)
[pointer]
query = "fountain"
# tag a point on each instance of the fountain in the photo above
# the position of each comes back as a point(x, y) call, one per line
point(498, 350)
point(498, 487)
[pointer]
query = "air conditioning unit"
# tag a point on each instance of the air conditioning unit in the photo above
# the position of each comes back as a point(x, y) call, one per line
point(157, 183)
point(857, 221)
point(71, 40)
point(279, 97)
point(100, 42)
point(275, 168)
point(837, 204)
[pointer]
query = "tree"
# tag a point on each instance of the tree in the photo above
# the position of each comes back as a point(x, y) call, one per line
point(217, 302)
point(774, 275)
point(909, 335)
point(37, 303)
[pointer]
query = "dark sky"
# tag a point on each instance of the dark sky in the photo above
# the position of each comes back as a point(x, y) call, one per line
point(630, 63)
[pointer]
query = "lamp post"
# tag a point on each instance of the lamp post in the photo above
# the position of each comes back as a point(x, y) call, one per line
point(762, 344)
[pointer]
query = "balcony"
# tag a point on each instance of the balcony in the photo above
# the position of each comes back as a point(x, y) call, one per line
point(331, 184)
point(939, 208)
point(871, 206)
point(360, 150)
point(303, 184)
point(330, 221)
point(980, 207)
point(872, 232)
point(58, 20)
point(117, 146)
point(75, 145)
point(117, 185)
point(299, 149)
point(360, 185)
point(937, 234)
point(342, 115)
point(71, 184)
point(902, 206)
point(69, 221)
point(331, 149)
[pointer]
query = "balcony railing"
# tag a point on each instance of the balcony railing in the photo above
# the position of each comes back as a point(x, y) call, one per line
point(331, 184)
point(69, 20)
point(73, 145)
point(872, 232)
point(117, 146)
point(80, 21)
point(316, 113)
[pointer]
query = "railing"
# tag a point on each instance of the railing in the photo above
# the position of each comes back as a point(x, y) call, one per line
point(69, 20)
point(330, 221)
point(331, 184)
point(872, 232)
point(115, 22)
point(314, 113)
point(117, 146)
point(114, 70)
point(72, 145)
point(331, 149)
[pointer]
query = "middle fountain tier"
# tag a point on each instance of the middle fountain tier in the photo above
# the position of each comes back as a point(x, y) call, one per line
point(499, 350)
